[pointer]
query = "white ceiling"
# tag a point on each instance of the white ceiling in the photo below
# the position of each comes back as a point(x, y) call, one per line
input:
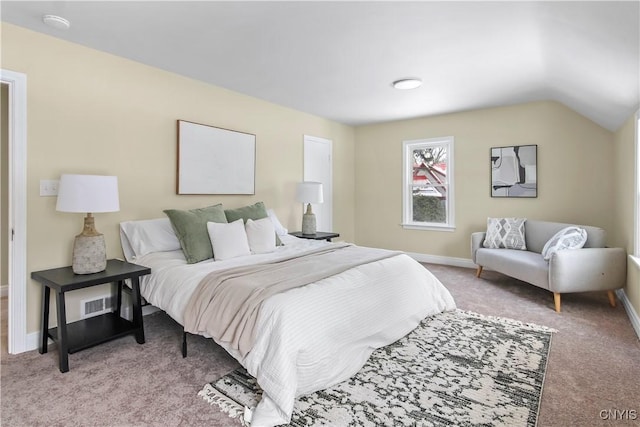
point(338, 59)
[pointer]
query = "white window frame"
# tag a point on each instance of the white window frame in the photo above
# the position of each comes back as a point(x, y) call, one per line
point(636, 213)
point(407, 184)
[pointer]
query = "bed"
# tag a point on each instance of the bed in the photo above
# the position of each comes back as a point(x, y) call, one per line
point(307, 337)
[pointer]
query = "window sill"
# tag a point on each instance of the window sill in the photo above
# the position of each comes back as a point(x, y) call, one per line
point(635, 259)
point(428, 227)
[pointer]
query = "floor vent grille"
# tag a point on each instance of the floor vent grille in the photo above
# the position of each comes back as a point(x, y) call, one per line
point(95, 307)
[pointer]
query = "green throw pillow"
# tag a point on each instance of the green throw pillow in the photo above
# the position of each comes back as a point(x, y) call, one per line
point(191, 228)
point(254, 212)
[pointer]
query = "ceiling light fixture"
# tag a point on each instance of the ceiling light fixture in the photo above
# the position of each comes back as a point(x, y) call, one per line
point(56, 22)
point(408, 83)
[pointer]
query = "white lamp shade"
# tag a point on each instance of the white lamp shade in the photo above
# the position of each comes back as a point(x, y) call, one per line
point(88, 194)
point(309, 192)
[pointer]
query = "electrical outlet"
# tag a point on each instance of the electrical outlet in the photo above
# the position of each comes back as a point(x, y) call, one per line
point(49, 187)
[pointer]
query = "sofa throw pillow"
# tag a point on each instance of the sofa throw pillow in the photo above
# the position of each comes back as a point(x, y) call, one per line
point(567, 238)
point(228, 240)
point(507, 233)
point(191, 229)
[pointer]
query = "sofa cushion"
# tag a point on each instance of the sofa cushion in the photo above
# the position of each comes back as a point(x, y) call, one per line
point(505, 233)
point(567, 238)
point(524, 265)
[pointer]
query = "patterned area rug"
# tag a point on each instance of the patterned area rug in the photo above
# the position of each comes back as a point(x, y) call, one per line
point(456, 368)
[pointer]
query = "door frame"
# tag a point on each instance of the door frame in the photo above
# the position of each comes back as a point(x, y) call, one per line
point(328, 189)
point(17, 175)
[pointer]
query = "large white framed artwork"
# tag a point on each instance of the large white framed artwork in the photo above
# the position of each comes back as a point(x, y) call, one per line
point(213, 160)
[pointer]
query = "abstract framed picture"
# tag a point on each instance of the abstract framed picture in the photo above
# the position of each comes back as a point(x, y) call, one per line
point(213, 160)
point(514, 171)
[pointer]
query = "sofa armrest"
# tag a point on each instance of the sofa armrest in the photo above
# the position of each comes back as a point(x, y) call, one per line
point(587, 269)
point(476, 243)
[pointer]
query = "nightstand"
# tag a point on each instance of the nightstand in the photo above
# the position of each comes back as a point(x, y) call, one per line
point(320, 235)
point(95, 330)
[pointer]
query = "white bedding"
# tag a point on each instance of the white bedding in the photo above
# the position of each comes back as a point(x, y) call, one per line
point(311, 337)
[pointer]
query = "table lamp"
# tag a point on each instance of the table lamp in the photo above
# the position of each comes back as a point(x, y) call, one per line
point(309, 192)
point(88, 194)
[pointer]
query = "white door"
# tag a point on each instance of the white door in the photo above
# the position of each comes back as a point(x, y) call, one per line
point(317, 167)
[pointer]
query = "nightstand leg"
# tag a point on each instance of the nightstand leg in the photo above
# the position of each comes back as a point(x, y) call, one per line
point(46, 291)
point(119, 284)
point(137, 310)
point(63, 346)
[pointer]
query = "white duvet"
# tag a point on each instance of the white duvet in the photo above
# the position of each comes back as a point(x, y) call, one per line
point(311, 337)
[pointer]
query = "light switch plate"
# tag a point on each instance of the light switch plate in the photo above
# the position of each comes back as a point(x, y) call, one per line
point(49, 187)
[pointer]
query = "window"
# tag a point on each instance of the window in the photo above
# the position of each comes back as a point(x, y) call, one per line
point(637, 190)
point(427, 193)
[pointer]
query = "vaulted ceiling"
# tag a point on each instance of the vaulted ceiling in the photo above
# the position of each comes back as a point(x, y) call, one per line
point(338, 59)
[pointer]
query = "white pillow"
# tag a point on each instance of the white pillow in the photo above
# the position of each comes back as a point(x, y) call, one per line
point(261, 235)
point(280, 230)
point(567, 238)
point(228, 240)
point(146, 236)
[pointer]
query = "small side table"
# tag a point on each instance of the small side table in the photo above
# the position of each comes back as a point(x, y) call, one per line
point(96, 330)
point(320, 235)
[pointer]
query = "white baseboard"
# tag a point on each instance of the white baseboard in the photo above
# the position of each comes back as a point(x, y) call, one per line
point(443, 260)
point(149, 309)
point(4, 291)
point(33, 341)
point(631, 312)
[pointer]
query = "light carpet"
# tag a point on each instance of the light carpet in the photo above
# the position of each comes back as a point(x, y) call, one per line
point(456, 368)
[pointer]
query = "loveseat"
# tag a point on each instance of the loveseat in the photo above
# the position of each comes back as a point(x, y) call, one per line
point(593, 267)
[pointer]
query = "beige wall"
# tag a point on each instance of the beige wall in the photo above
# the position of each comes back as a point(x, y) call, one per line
point(574, 185)
point(624, 167)
point(91, 112)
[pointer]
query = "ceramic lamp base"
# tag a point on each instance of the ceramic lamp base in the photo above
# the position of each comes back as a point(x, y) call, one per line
point(89, 254)
point(309, 221)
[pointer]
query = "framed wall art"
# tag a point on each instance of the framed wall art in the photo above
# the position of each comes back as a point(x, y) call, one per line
point(213, 160)
point(514, 171)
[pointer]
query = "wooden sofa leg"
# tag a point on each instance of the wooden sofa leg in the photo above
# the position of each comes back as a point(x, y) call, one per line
point(556, 301)
point(478, 271)
point(612, 298)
